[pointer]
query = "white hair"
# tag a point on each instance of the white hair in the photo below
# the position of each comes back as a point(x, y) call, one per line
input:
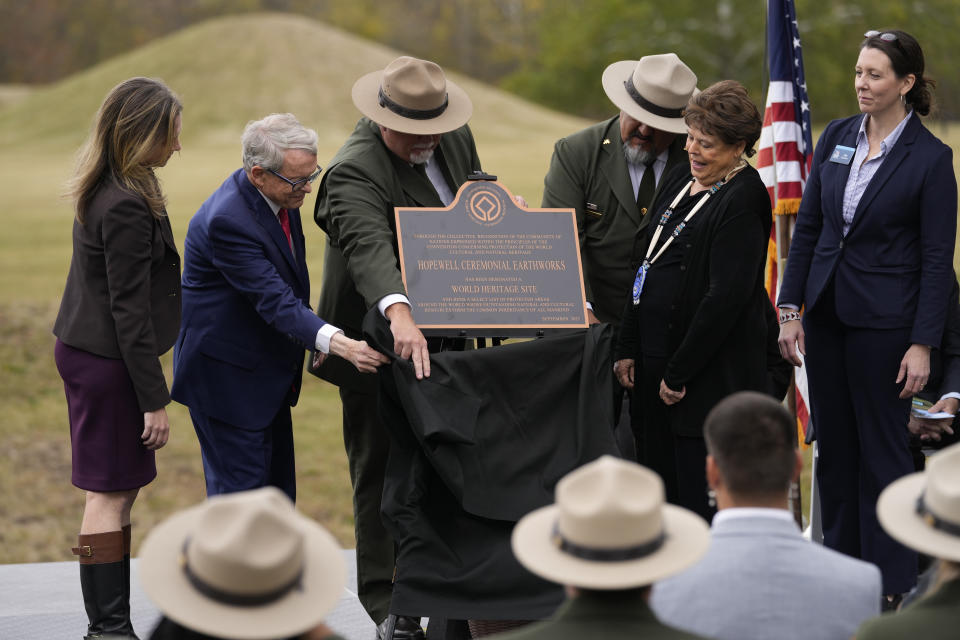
point(265, 141)
point(638, 156)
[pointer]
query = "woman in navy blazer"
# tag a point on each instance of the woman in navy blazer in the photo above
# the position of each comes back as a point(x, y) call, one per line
point(871, 266)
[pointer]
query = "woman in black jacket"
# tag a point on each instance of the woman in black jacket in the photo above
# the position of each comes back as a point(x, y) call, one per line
point(695, 330)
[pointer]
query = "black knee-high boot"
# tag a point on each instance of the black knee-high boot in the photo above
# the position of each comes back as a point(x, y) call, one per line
point(102, 580)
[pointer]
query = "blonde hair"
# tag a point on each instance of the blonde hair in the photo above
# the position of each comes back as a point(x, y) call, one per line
point(137, 118)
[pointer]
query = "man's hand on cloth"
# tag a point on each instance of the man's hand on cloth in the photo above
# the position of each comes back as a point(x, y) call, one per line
point(357, 352)
point(408, 340)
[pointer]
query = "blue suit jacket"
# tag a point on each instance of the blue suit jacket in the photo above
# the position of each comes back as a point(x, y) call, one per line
point(899, 250)
point(246, 315)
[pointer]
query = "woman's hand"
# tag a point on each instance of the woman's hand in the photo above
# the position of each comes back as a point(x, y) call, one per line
point(156, 429)
point(791, 341)
point(356, 352)
point(669, 396)
point(914, 369)
point(623, 369)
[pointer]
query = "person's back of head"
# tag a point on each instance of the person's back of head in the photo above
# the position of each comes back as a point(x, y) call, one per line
point(752, 442)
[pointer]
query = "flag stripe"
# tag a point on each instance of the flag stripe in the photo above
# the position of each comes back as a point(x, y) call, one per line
point(780, 92)
point(786, 145)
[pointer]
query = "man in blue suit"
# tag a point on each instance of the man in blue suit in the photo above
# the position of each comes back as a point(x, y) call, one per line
point(238, 361)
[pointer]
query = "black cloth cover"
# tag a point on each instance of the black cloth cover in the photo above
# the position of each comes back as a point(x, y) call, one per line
point(476, 446)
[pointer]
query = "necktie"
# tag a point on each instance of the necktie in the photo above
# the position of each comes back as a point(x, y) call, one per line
point(284, 219)
point(648, 184)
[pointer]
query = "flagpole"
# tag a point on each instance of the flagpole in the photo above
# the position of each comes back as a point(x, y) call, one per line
point(784, 224)
point(784, 160)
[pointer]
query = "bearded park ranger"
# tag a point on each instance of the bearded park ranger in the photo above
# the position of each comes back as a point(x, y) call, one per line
point(608, 172)
point(412, 148)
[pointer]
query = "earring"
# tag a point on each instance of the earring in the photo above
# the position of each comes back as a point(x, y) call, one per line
point(903, 99)
point(712, 498)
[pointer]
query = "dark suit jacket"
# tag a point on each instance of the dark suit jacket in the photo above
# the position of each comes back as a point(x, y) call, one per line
point(945, 357)
point(589, 167)
point(893, 269)
point(601, 616)
point(122, 298)
point(355, 208)
point(246, 310)
point(944, 375)
point(717, 334)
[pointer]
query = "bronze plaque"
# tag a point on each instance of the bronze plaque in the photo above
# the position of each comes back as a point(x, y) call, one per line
point(484, 262)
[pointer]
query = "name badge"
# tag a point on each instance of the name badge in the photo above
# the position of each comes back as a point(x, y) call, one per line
point(842, 154)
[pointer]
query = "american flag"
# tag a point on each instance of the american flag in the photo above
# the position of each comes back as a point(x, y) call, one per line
point(786, 144)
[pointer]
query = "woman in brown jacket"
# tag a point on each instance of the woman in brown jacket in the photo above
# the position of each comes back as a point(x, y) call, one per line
point(120, 310)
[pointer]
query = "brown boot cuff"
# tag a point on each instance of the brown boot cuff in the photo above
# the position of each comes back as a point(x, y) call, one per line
point(99, 548)
point(126, 539)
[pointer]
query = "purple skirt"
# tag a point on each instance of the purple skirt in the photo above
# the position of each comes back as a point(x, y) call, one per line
point(105, 422)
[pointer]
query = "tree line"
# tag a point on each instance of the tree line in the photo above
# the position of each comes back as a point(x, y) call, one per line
point(549, 51)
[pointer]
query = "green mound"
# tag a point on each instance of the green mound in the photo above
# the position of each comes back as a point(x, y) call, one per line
point(234, 69)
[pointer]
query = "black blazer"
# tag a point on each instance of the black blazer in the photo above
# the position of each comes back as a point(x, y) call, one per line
point(122, 297)
point(718, 328)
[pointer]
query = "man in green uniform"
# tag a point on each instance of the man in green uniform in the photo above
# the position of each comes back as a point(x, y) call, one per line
point(412, 148)
point(608, 172)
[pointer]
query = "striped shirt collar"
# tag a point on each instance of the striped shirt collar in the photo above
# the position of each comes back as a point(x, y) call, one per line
point(887, 143)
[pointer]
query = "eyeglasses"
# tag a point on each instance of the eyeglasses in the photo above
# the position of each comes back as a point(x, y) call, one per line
point(886, 36)
point(297, 185)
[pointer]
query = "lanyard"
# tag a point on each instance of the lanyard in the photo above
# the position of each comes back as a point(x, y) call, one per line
point(648, 261)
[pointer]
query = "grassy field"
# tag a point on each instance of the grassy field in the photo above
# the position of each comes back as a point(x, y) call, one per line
point(251, 66)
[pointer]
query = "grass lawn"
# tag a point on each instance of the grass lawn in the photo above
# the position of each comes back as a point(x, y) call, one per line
point(39, 133)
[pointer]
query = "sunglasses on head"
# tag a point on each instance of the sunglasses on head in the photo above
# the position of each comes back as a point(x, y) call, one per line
point(889, 37)
point(886, 36)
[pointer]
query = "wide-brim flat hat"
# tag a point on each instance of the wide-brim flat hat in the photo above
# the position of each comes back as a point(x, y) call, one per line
point(412, 96)
point(609, 528)
point(922, 510)
point(653, 90)
point(244, 565)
